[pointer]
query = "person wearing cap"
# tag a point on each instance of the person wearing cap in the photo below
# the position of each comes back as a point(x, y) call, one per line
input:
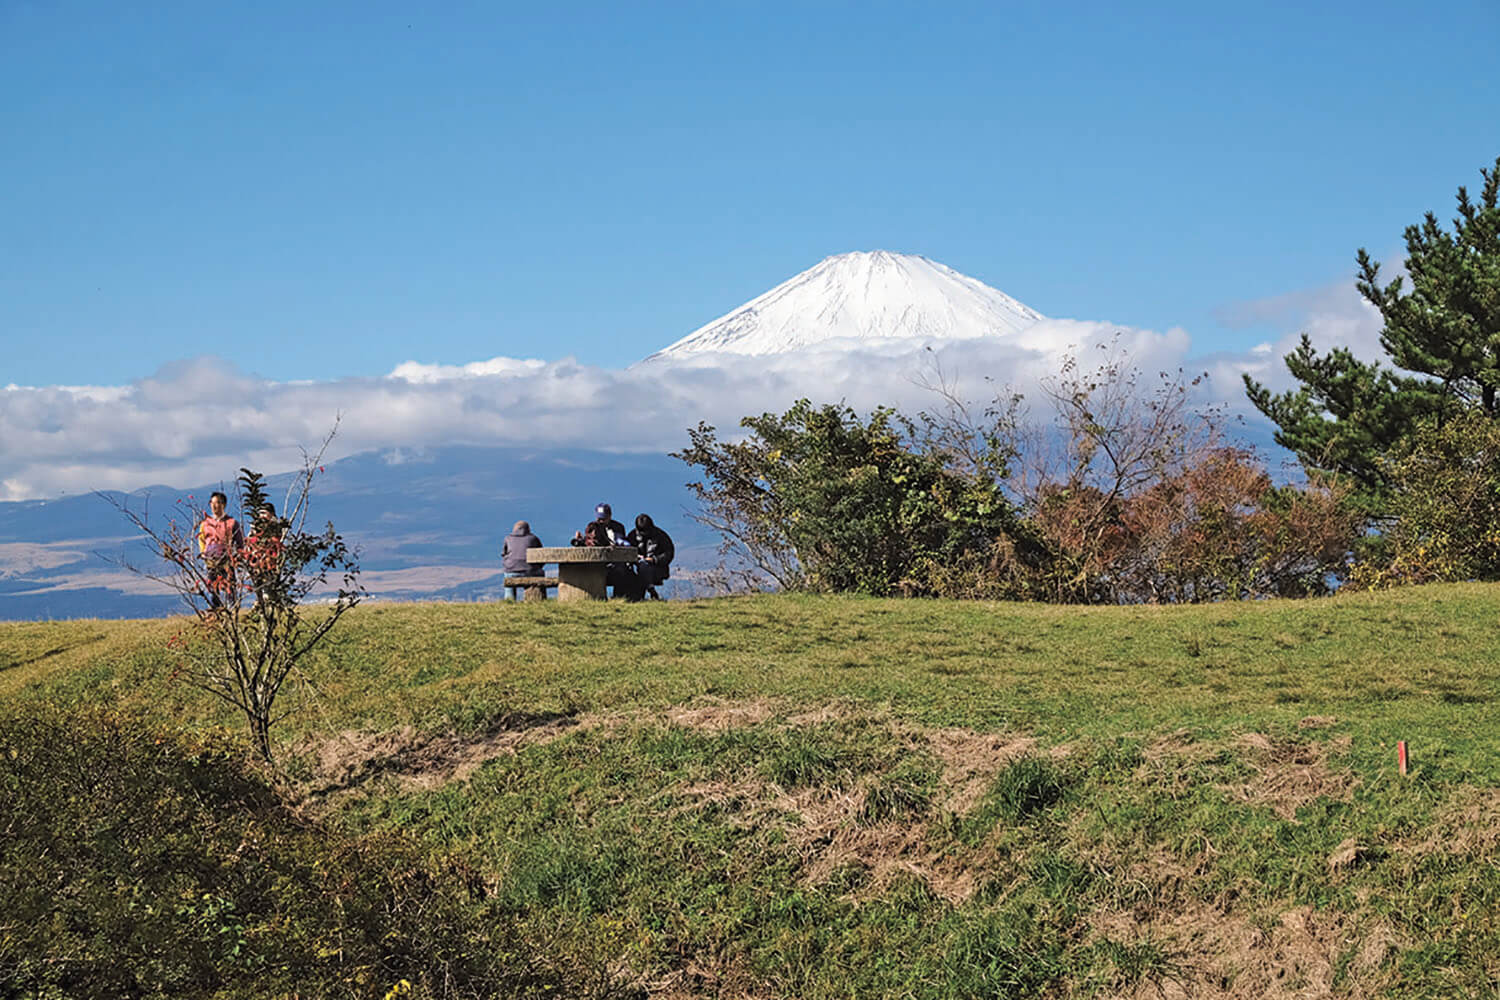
point(605, 530)
point(513, 557)
point(602, 530)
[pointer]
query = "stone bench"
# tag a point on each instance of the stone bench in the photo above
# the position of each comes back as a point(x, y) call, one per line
point(536, 586)
point(582, 570)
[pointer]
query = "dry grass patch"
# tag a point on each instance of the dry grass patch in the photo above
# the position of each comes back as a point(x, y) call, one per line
point(345, 761)
point(718, 717)
point(1290, 955)
point(1178, 746)
point(824, 834)
point(1289, 773)
point(971, 761)
point(1292, 774)
point(1470, 828)
point(725, 977)
point(828, 828)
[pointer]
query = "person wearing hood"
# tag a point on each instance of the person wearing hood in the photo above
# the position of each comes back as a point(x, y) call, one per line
point(654, 554)
point(513, 557)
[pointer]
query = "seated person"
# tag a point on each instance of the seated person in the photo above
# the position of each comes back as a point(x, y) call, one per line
point(513, 557)
point(654, 552)
point(604, 530)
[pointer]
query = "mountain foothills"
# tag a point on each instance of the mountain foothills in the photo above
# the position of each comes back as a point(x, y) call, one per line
point(429, 524)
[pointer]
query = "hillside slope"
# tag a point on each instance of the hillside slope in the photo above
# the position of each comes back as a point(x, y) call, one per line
point(781, 796)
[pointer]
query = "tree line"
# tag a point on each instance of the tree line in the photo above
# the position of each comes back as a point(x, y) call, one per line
point(1133, 495)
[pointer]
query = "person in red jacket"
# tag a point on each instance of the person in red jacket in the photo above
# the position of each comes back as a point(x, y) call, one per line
point(263, 550)
point(219, 542)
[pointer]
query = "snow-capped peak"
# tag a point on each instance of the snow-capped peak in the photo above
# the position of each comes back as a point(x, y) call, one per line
point(875, 295)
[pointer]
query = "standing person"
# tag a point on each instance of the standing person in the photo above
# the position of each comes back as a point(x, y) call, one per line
point(513, 557)
point(219, 542)
point(654, 554)
point(263, 552)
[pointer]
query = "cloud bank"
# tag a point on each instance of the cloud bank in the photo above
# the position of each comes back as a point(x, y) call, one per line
point(198, 421)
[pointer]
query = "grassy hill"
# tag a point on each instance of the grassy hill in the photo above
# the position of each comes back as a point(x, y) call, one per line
point(792, 796)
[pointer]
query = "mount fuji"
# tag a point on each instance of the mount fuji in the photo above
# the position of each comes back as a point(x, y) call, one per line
point(860, 297)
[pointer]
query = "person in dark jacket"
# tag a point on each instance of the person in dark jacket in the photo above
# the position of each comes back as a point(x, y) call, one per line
point(513, 557)
point(604, 530)
point(654, 554)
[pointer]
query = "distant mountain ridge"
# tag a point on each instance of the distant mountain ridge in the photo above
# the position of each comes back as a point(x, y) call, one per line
point(428, 525)
point(863, 296)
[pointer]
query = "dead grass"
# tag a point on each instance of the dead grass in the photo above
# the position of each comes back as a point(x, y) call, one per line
point(825, 835)
point(823, 825)
point(345, 762)
point(970, 762)
point(1177, 746)
point(1292, 774)
point(721, 716)
point(1470, 828)
point(1287, 955)
point(1214, 951)
point(726, 977)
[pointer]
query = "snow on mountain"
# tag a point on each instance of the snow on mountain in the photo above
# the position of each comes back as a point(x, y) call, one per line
point(865, 296)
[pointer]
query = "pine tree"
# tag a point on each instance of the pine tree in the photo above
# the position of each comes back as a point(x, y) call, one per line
point(1443, 337)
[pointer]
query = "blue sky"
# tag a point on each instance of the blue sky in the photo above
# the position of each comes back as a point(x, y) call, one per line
point(328, 190)
point(223, 226)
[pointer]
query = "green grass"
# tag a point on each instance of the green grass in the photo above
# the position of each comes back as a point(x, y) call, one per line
point(829, 797)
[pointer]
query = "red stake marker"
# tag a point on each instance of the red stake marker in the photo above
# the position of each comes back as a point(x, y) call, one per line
point(1401, 756)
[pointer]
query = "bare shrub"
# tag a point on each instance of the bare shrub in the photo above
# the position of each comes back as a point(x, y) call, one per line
point(259, 606)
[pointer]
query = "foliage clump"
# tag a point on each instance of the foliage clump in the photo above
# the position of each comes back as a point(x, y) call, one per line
point(1130, 496)
point(819, 498)
point(263, 605)
point(1445, 483)
point(138, 863)
point(1413, 441)
point(1442, 337)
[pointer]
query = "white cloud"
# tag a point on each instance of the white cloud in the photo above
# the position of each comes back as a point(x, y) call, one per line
point(415, 371)
point(1331, 316)
point(198, 421)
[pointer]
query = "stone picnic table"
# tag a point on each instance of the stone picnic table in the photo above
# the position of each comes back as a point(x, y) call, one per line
point(581, 569)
